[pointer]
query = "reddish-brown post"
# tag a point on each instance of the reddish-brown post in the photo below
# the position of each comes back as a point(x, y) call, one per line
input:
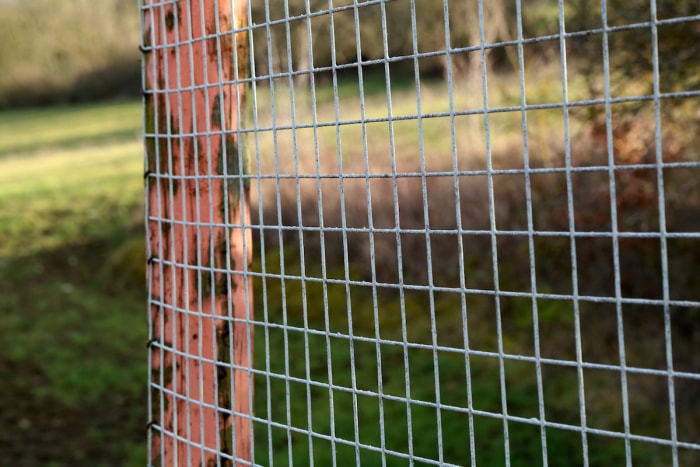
point(197, 208)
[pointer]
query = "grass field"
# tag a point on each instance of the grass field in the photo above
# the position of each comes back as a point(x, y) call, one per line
point(73, 307)
point(415, 368)
point(72, 333)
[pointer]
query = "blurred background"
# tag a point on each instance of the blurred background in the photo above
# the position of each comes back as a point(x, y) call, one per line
point(72, 327)
point(72, 299)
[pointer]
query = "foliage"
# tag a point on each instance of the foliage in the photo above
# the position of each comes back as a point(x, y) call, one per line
point(632, 48)
point(89, 51)
point(67, 51)
point(360, 33)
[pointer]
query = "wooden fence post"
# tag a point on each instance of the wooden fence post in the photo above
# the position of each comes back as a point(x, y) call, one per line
point(198, 208)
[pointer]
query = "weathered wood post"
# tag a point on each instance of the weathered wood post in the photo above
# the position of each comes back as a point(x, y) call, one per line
point(198, 207)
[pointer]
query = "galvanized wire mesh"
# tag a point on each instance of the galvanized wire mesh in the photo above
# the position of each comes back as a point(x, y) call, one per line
point(471, 248)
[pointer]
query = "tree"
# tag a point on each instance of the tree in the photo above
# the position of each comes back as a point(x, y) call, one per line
point(631, 50)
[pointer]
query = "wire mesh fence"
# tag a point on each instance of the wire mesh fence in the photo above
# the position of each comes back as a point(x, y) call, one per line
point(462, 232)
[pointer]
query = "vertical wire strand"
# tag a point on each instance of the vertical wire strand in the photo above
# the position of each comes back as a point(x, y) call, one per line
point(341, 186)
point(159, 203)
point(185, 255)
point(397, 234)
point(147, 229)
point(530, 235)
point(662, 230)
point(321, 221)
point(460, 236)
point(346, 265)
point(426, 226)
point(370, 228)
point(230, 320)
point(280, 237)
point(493, 232)
point(572, 230)
point(261, 230)
point(209, 176)
point(171, 202)
point(273, 120)
point(300, 227)
point(226, 321)
point(615, 234)
point(199, 223)
point(243, 114)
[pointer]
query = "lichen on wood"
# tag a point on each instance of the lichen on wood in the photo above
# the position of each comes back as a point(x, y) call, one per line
point(193, 149)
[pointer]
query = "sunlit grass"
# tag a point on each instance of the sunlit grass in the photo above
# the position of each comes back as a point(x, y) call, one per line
point(30, 130)
point(57, 196)
point(448, 125)
point(71, 189)
point(81, 180)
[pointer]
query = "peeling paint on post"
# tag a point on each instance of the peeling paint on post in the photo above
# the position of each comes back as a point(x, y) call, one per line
point(200, 403)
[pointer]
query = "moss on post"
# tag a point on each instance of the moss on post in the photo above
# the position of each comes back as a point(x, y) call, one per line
point(195, 287)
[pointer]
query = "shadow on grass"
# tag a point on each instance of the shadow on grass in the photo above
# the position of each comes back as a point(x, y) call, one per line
point(73, 359)
point(28, 147)
point(423, 324)
point(119, 78)
point(400, 393)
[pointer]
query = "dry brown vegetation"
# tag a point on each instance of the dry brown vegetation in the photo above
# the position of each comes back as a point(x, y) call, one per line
point(334, 210)
point(364, 174)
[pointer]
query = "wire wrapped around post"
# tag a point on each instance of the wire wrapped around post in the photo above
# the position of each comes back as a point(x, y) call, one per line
point(195, 64)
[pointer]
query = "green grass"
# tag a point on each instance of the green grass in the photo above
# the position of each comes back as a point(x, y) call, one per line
point(67, 175)
point(33, 130)
point(73, 308)
point(73, 334)
point(332, 409)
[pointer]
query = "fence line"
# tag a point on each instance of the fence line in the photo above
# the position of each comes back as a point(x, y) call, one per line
point(471, 230)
